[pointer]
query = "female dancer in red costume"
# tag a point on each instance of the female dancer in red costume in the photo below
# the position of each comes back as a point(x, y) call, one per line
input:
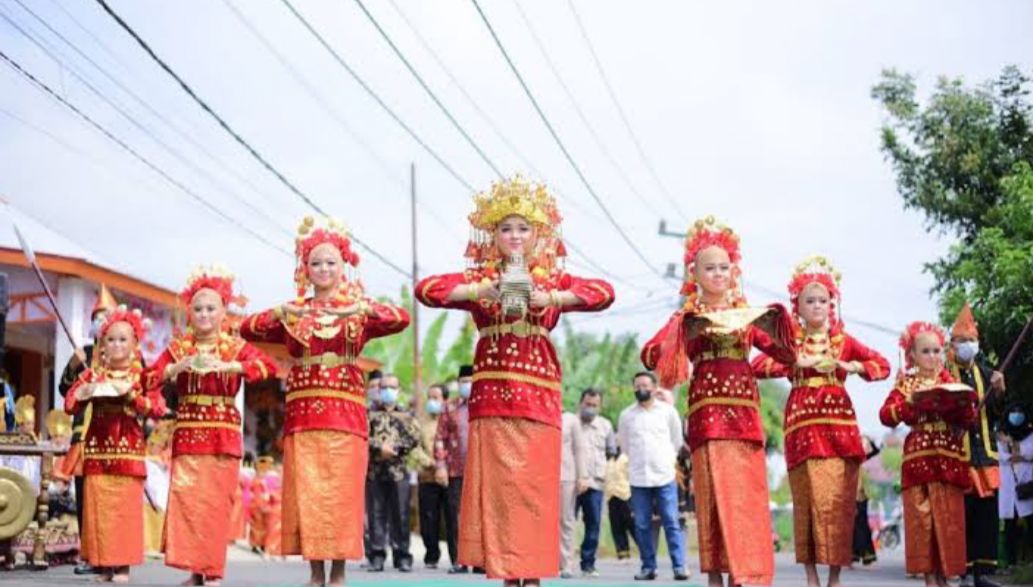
point(724, 428)
point(510, 506)
point(325, 448)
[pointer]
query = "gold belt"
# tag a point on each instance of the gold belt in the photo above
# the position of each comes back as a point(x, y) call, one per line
point(932, 427)
point(114, 409)
point(733, 353)
point(519, 329)
point(817, 381)
point(208, 400)
point(325, 360)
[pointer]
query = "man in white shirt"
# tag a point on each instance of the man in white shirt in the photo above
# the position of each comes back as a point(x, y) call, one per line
point(650, 433)
point(597, 435)
point(572, 473)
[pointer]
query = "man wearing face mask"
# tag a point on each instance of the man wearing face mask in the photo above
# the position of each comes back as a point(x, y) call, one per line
point(450, 455)
point(79, 362)
point(981, 520)
point(597, 436)
point(372, 402)
point(650, 432)
point(393, 433)
point(433, 492)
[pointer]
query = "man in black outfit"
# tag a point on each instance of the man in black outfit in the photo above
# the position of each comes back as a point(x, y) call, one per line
point(981, 520)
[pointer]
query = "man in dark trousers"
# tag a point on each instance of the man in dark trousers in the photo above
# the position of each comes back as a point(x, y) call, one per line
point(450, 453)
point(393, 434)
point(81, 359)
point(981, 522)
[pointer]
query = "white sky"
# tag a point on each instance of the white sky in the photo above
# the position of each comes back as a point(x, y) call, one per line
point(758, 113)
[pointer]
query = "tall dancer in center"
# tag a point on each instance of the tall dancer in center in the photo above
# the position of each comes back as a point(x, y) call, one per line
point(325, 447)
point(515, 290)
point(725, 435)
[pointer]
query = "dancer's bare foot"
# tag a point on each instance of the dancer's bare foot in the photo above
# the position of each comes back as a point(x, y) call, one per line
point(812, 575)
point(213, 582)
point(336, 574)
point(532, 583)
point(511, 583)
point(834, 580)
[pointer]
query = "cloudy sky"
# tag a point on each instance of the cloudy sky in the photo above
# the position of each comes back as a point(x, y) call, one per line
point(758, 113)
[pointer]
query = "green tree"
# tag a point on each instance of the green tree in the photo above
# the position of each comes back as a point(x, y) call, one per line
point(963, 158)
point(439, 359)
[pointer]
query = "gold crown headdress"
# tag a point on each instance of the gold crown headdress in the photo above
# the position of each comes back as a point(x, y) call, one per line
point(515, 196)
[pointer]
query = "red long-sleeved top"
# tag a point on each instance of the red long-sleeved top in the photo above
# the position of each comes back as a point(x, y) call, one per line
point(325, 388)
point(724, 402)
point(934, 449)
point(516, 374)
point(114, 442)
point(820, 421)
point(207, 420)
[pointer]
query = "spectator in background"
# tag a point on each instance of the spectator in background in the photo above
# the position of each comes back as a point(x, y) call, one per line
point(393, 433)
point(597, 436)
point(433, 491)
point(864, 548)
point(651, 433)
point(450, 456)
point(1015, 500)
point(572, 474)
point(617, 495)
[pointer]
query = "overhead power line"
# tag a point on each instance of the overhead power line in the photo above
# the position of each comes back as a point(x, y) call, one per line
point(146, 105)
point(559, 143)
point(369, 90)
point(122, 111)
point(153, 167)
point(236, 136)
point(333, 112)
point(610, 158)
point(430, 92)
point(623, 116)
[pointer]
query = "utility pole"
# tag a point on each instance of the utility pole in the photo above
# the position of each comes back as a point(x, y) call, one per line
point(417, 391)
point(672, 268)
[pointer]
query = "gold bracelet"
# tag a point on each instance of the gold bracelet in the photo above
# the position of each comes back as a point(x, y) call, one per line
point(472, 291)
point(554, 296)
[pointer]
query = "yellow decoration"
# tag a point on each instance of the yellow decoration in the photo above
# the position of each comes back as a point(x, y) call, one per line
point(25, 410)
point(59, 424)
point(516, 196)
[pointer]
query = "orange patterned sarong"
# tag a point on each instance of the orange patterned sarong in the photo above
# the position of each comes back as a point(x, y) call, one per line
point(197, 522)
point(934, 529)
point(324, 485)
point(730, 477)
point(112, 532)
point(509, 518)
point(824, 492)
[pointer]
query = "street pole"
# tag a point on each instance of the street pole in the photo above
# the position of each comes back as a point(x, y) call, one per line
point(417, 390)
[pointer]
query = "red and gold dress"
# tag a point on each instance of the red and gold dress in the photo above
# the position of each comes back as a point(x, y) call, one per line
point(727, 442)
point(206, 450)
point(510, 505)
point(114, 449)
point(325, 428)
point(823, 443)
point(934, 478)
